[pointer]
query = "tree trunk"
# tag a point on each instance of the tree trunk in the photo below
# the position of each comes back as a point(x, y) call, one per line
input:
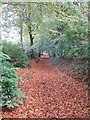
point(31, 41)
point(31, 37)
point(21, 35)
point(21, 29)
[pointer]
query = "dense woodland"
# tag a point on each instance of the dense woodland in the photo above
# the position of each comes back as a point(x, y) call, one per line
point(58, 29)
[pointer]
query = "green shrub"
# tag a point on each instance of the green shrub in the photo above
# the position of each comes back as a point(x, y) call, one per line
point(17, 55)
point(10, 94)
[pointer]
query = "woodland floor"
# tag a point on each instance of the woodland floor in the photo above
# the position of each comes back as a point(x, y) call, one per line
point(50, 93)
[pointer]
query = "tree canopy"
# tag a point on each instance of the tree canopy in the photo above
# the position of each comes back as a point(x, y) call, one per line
point(59, 27)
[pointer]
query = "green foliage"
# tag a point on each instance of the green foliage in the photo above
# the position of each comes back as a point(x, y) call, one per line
point(17, 55)
point(10, 94)
point(60, 28)
point(67, 21)
point(65, 30)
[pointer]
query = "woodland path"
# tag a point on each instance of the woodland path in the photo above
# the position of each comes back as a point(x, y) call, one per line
point(50, 93)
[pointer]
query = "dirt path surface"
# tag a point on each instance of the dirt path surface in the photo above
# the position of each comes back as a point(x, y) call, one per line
point(50, 93)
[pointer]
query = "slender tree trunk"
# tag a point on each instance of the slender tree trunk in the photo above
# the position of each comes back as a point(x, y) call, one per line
point(31, 37)
point(21, 29)
point(31, 41)
point(21, 34)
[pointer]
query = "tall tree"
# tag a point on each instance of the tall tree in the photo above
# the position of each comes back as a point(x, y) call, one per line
point(21, 27)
